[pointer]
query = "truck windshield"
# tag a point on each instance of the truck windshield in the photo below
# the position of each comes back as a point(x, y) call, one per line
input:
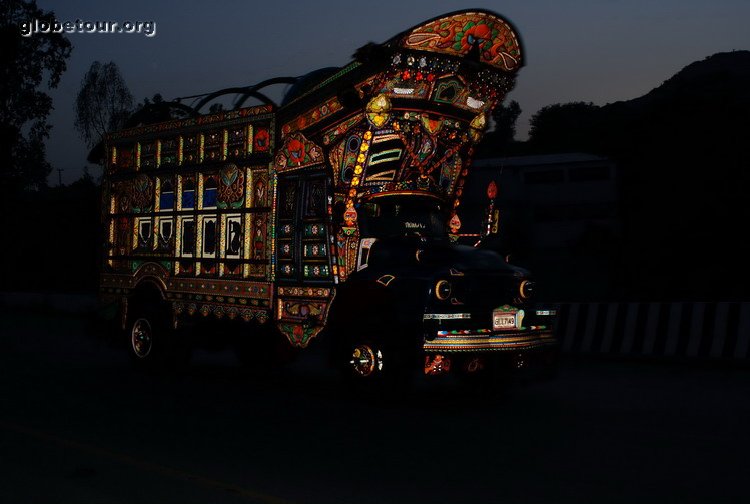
point(393, 216)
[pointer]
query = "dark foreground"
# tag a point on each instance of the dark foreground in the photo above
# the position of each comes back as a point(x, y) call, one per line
point(79, 425)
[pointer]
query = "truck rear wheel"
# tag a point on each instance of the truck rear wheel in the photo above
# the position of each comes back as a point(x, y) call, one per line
point(141, 338)
point(153, 343)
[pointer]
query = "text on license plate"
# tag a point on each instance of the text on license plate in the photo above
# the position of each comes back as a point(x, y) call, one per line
point(504, 321)
point(506, 317)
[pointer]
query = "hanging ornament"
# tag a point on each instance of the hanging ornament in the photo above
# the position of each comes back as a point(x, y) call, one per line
point(492, 190)
point(477, 127)
point(350, 216)
point(455, 224)
point(495, 221)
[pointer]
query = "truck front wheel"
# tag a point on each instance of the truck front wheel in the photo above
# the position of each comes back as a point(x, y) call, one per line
point(369, 364)
point(366, 361)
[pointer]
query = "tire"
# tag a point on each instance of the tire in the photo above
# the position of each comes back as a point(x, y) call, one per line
point(153, 343)
point(373, 366)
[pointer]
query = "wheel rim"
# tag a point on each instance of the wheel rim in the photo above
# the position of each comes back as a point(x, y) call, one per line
point(366, 361)
point(141, 338)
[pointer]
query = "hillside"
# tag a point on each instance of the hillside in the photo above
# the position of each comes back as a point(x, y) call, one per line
point(719, 73)
point(706, 102)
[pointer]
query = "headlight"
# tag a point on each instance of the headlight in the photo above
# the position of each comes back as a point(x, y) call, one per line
point(526, 289)
point(443, 290)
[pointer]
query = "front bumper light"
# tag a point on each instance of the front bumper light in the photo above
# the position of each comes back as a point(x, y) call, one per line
point(443, 289)
point(526, 290)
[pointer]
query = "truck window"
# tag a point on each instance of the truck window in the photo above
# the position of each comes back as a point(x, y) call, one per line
point(394, 216)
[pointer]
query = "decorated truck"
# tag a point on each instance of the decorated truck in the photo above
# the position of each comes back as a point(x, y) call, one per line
point(333, 216)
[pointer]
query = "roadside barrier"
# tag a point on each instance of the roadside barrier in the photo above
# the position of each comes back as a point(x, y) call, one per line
point(699, 330)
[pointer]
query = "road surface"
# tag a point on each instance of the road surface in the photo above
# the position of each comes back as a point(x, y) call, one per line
point(79, 425)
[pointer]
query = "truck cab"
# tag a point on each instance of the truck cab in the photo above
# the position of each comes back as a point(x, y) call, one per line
point(433, 304)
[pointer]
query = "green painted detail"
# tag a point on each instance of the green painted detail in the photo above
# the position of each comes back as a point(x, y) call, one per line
point(299, 335)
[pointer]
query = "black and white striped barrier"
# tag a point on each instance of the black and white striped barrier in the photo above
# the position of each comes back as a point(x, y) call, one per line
point(689, 330)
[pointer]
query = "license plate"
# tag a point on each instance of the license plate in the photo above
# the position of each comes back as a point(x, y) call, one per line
point(506, 318)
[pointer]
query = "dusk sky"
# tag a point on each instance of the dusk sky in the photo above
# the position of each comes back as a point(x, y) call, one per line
point(575, 50)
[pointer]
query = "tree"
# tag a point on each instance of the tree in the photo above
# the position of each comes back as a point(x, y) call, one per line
point(505, 117)
point(565, 127)
point(28, 64)
point(154, 100)
point(103, 102)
